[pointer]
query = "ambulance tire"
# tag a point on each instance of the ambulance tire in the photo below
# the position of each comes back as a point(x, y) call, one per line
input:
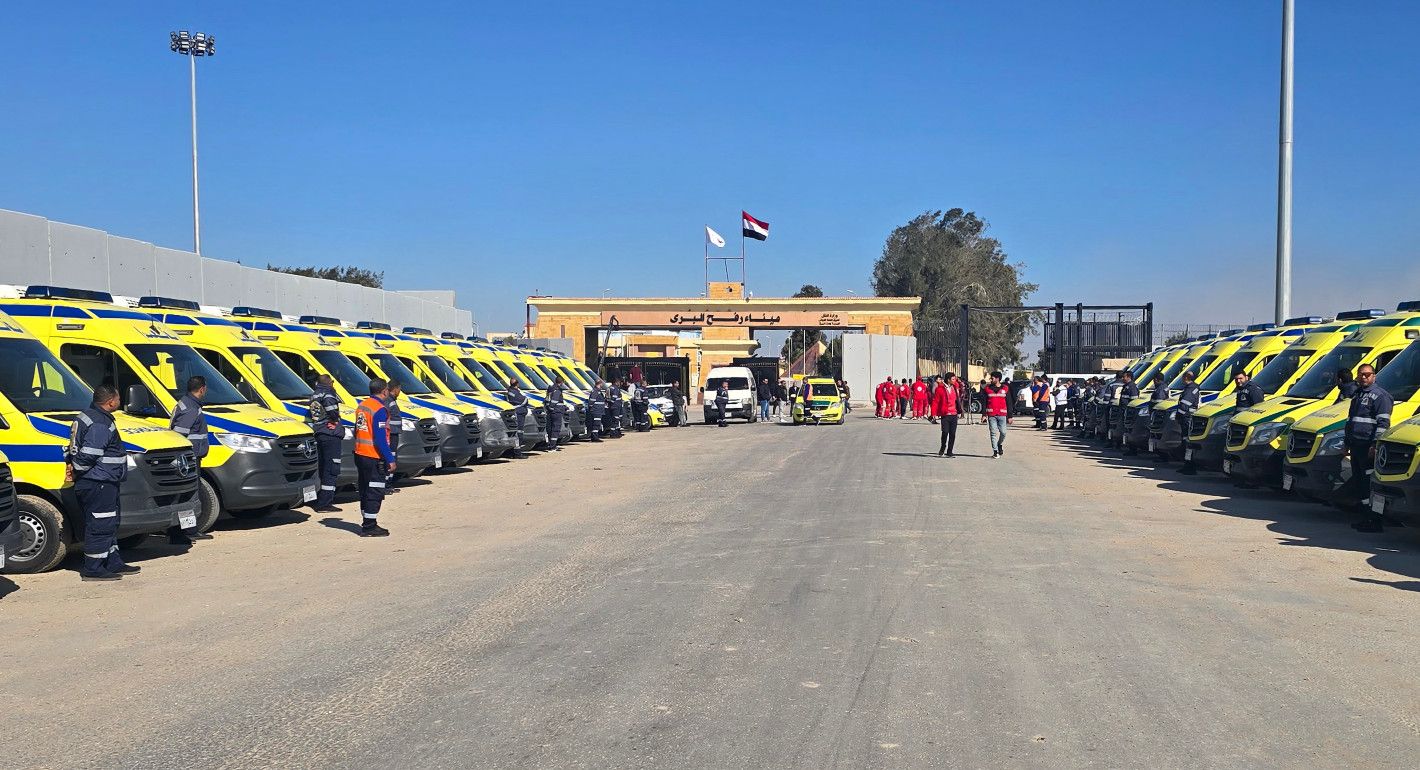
point(44, 529)
point(211, 505)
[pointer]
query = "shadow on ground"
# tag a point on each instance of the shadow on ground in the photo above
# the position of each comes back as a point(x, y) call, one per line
point(1299, 522)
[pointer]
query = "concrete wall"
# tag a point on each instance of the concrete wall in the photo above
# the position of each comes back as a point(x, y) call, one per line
point(34, 250)
point(868, 359)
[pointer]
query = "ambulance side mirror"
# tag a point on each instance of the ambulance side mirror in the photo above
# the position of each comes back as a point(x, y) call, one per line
point(140, 401)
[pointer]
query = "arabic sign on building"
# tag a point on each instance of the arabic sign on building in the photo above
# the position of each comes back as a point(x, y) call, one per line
point(759, 319)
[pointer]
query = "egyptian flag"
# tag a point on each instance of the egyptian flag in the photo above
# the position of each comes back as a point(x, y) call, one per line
point(753, 228)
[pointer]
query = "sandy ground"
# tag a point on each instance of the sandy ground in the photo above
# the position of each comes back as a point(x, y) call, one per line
point(754, 596)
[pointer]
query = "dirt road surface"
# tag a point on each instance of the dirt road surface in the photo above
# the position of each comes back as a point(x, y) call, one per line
point(754, 596)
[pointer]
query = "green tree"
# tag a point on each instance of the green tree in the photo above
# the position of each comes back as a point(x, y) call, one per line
point(342, 273)
point(800, 339)
point(947, 259)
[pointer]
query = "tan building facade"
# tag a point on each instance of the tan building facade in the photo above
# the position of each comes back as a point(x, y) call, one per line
point(725, 320)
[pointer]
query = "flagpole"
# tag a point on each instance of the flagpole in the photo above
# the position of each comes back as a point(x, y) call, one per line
point(707, 263)
point(742, 258)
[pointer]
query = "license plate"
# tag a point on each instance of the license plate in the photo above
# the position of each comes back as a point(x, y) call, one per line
point(438, 461)
point(1188, 454)
point(308, 494)
point(478, 453)
point(1287, 481)
point(2, 557)
point(1152, 446)
point(187, 520)
point(1227, 467)
point(1377, 504)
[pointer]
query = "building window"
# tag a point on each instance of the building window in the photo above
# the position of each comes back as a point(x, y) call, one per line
point(562, 330)
point(885, 328)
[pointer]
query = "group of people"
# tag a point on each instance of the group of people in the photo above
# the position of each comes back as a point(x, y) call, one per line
point(943, 400)
point(776, 398)
point(1059, 403)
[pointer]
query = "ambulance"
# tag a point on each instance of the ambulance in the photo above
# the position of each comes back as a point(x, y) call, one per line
point(40, 397)
point(819, 402)
point(1264, 343)
point(573, 424)
point(498, 363)
point(1208, 428)
point(418, 350)
point(477, 361)
point(310, 355)
point(1122, 416)
point(1395, 488)
point(1257, 437)
point(1315, 466)
point(455, 423)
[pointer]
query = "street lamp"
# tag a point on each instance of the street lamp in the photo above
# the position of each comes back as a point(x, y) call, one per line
point(193, 45)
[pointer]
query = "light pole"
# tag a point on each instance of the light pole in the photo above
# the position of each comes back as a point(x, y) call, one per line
point(1284, 175)
point(193, 45)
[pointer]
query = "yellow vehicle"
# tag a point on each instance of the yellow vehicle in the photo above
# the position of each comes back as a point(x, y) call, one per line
point(1098, 412)
point(818, 402)
point(1395, 488)
point(418, 350)
point(487, 387)
point(309, 356)
point(452, 423)
point(1171, 367)
point(1259, 347)
point(512, 367)
point(1207, 440)
point(39, 399)
point(574, 423)
point(1315, 464)
point(1257, 437)
point(480, 360)
point(257, 459)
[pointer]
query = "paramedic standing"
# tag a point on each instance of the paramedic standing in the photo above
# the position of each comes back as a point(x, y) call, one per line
point(98, 463)
point(1369, 418)
point(188, 422)
point(330, 432)
point(374, 458)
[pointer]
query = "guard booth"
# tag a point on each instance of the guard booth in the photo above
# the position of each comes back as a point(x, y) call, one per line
point(654, 371)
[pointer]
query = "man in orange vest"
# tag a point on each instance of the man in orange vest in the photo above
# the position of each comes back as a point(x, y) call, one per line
point(374, 459)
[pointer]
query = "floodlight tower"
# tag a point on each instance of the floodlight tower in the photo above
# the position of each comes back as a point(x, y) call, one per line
point(193, 45)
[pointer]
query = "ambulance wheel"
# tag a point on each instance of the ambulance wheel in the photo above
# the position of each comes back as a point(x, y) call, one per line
point(42, 535)
point(211, 506)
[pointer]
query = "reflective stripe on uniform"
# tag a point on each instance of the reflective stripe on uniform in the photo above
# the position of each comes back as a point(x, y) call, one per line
point(113, 460)
point(328, 487)
point(88, 450)
point(84, 418)
point(336, 461)
point(370, 516)
point(1363, 419)
point(377, 484)
point(181, 431)
point(103, 555)
point(104, 514)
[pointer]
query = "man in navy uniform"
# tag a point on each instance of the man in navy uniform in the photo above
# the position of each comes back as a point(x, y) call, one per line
point(98, 464)
point(1367, 421)
point(330, 432)
point(189, 422)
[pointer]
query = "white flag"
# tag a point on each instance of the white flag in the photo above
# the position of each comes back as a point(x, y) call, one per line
point(713, 238)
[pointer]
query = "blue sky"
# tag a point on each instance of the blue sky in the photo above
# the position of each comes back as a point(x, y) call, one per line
point(1124, 151)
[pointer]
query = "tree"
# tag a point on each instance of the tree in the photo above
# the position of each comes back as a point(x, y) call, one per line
point(947, 259)
point(342, 273)
point(1176, 338)
point(800, 339)
point(830, 364)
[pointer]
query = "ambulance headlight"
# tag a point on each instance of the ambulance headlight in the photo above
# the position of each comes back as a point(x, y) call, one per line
point(1220, 426)
point(241, 442)
point(445, 418)
point(133, 460)
point(408, 426)
point(484, 413)
point(1332, 443)
point(1267, 432)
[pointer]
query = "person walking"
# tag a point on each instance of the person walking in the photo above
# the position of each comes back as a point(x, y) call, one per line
point(97, 463)
point(677, 397)
point(1367, 420)
point(944, 408)
point(553, 405)
point(998, 413)
point(324, 418)
point(189, 422)
point(374, 456)
point(722, 402)
point(764, 394)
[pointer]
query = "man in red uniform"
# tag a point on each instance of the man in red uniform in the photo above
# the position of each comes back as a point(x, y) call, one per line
point(944, 408)
point(998, 412)
point(919, 399)
point(887, 391)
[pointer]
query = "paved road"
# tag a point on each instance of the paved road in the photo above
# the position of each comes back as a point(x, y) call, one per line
point(757, 596)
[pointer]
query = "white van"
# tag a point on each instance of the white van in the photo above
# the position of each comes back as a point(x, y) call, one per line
point(742, 402)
